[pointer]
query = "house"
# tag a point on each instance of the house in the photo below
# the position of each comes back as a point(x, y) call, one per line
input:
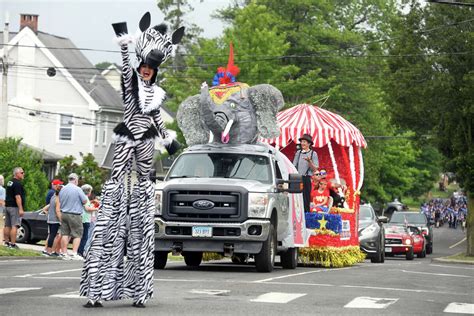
point(57, 100)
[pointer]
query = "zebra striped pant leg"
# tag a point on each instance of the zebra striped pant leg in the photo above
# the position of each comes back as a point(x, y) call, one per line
point(123, 152)
point(144, 157)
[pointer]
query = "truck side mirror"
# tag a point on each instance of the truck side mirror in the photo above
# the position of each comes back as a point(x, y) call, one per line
point(293, 185)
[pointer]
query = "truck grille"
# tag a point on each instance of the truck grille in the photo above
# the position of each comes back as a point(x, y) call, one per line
point(218, 206)
point(393, 241)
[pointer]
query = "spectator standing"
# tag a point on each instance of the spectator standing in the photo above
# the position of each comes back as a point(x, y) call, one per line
point(54, 187)
point(15, 207)
point(86, 218)
point(2, 207)
point(306, 162)
point(54, 222)
point(72, 200)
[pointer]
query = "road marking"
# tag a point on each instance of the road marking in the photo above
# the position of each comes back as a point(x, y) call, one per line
point(439, 274)
point(277, 297)
point(403, 290)
point(370, 302)
point(301, 273)
point(451, 266)
point(18, 289)
point(10, 261)
point(459, 242)
point(74, 294)
point(210, 292)
point(46, 273)
point(459, 308)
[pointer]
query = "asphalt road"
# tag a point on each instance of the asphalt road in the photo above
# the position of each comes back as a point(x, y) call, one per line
point(396, 287)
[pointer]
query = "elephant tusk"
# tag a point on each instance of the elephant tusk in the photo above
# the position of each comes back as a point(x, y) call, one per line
point(225, 134)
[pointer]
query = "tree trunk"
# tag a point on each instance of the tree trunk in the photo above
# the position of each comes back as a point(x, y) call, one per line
point(470, 224)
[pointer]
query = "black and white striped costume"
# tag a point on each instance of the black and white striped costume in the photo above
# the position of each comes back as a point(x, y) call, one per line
point(125, 223)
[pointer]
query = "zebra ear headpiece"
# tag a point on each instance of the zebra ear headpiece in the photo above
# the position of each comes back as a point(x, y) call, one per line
point(153, 45)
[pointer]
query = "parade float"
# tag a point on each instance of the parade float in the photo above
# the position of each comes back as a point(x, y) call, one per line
point(333, 240)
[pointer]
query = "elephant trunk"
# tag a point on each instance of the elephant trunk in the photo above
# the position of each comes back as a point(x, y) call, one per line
point(207, 113)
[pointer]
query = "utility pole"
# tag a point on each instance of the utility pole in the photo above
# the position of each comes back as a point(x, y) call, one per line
point(4, 105)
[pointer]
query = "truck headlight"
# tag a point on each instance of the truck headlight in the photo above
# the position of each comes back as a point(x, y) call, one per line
point(368, 230)
point(158, 202)
point(257, 204)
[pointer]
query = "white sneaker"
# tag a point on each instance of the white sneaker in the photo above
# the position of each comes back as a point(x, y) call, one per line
point(76, 257)
point(65, 257)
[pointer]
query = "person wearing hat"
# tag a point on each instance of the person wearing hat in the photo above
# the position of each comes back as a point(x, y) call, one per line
point(306, 162)
point(54, 187)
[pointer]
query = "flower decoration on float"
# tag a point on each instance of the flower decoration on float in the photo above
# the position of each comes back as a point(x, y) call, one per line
point(229, 74)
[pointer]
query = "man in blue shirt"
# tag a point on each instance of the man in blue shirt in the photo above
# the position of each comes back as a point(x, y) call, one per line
point(72, 200)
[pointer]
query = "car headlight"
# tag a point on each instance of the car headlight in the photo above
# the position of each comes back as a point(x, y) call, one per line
point(158, 202)
point(257, 204)
point(407, 241)
point(369, 230)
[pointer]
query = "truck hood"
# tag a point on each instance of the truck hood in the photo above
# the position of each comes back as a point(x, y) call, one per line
point(249, 185)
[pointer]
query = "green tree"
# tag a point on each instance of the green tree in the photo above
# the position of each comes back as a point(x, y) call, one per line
point(14, 154)
point(88, 171)
point(103, 65)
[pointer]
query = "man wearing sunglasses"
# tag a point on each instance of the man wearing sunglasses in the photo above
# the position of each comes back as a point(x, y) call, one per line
point(306, 162)
point(15, 205)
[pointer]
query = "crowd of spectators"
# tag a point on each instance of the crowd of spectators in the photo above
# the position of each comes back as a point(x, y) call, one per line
point(452, 211)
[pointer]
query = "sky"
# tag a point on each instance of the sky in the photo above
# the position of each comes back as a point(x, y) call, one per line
point(87, 23)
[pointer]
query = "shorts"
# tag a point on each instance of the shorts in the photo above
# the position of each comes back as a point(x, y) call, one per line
point(12, 216)
point(71, 225)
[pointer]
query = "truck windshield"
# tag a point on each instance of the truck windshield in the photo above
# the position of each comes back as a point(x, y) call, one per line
point(222, 165)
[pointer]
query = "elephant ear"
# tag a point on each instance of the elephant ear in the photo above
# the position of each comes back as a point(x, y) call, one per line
point(190, 121)
point(267, 100)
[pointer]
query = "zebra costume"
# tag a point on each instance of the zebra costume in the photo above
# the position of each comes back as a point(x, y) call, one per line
point(125, 222)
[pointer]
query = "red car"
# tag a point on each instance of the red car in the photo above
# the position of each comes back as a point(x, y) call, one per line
point(402, 240)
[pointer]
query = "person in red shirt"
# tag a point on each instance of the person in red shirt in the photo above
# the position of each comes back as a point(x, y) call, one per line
point(320, 197)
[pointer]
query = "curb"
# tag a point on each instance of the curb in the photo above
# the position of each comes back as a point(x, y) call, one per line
point(16, 258)
point(446, 260)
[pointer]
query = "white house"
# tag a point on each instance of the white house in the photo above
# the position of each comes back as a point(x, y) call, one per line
point(57, 100)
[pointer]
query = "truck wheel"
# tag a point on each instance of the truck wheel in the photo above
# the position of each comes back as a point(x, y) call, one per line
point(160, 259)
point(289, 259)
point(410, 255)
point(265, 260)
point(193, 259)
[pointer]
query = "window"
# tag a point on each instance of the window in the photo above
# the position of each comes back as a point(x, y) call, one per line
point(65, 127)
point(104, 132)
point(96, 138)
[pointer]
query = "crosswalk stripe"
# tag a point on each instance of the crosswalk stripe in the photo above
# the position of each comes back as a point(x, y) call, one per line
point(210, 292)
point(277, 297)
point(459, 308)
point(370, 302)
point(17, 289)
point(74, 294)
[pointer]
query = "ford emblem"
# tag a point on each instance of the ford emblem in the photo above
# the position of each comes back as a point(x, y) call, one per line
point(203, 204)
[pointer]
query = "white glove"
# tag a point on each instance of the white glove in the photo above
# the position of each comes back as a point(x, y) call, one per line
point(124, 39)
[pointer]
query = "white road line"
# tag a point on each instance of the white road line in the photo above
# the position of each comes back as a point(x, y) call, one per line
point(438, 274)
point(370, 302)
point(459, 242)
point(46, 273)
point(451, 266)
point(277, 297)
point(459, 308)
point(209, 292)
point(404, 290)
point(301, 273)
point(18, 289)
point(74, 294)
point(10, 261)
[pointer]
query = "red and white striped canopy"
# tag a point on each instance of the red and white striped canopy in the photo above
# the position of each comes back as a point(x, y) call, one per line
point(321, 124)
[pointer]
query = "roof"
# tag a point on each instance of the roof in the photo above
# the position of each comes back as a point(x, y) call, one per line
point(46, 155)
point(81, 69)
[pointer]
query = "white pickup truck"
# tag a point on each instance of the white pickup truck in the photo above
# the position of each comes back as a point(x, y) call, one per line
point(237, 200)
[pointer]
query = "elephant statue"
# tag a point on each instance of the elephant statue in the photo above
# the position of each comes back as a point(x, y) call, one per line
point(230, 114)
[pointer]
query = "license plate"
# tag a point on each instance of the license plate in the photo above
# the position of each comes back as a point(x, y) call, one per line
point(388, 249)
point(202, 231)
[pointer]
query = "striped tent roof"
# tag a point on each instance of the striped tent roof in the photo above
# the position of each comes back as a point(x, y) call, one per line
point(321, 124)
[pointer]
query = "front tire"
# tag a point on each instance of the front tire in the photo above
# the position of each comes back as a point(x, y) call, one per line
point(23, 234)
point(161, 257)
point(265, 260)
point(289, 259)
point(192, 259)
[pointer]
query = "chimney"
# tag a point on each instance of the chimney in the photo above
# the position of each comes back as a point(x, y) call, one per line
point(30, 20)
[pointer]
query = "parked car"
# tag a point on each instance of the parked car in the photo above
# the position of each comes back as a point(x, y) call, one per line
point(419, 220)
point(419, 242)
point(372, 234)
point(398, 241)
point(34, 227)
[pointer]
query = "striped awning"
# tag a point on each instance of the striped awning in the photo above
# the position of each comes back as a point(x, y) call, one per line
point(321, 124)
